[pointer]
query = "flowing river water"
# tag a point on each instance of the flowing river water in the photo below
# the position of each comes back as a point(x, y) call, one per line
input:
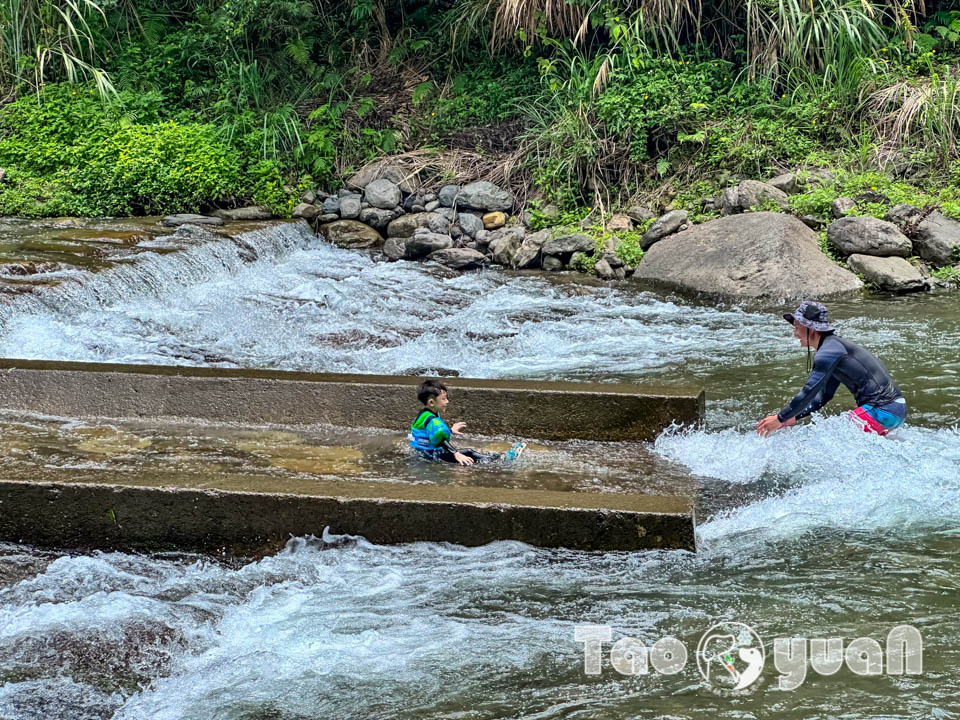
point(818, 532)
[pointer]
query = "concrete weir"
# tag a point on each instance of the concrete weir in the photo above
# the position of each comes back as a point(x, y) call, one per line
point(115, 512)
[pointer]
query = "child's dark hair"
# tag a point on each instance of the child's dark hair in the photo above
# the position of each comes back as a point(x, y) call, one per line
point(430, 389)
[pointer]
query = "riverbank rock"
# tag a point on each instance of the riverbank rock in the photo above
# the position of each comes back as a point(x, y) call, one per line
point(529, 254)
point(494, 220)
point(901, 214)
point(379, 218)
point(406, 225)
point(563, 248)
point(408, 182)
point(470, 224)
point(892, 274)
point(787, 183)
point(350, 234)
point(937, 239)
point(620, 223)
point(639, 213)
point(253, 212)
point(424, 242)
point(665, 225)
point(350, 207)
point(868, 236)
point(382, 194)
point(459, 258)
point(759, 255)
point(394, 248)
point(484, 195)
point(841, 207)
point(504, 245)
point(305, 211)
point(749, 194)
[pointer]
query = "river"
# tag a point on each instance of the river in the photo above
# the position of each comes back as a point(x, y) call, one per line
point(821, 531)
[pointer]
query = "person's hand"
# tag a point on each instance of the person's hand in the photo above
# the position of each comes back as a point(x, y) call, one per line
point(463, 459)
point(771, 424)
point(458, 427)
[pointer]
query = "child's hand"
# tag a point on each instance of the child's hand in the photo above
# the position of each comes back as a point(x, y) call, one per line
point(463, 459)
point(458, 427)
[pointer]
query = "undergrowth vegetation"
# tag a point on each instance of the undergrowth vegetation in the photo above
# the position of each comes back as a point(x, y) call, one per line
point(162, 105)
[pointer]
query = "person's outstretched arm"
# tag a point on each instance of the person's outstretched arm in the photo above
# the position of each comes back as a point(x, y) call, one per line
point(817, 392)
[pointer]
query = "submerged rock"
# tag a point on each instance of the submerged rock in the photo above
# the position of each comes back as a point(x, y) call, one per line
point(751, 256)
point(190, 219)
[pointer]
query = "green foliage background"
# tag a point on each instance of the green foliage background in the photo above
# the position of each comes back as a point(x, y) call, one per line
point(154, 106)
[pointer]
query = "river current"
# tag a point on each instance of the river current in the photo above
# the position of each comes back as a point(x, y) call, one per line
point(821, 531)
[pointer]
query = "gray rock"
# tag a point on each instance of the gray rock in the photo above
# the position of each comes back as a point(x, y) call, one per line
point(529, 253)
point(331, 206)
point(901, 214)
point(871, 196)
point(568, 244)
point(639, 213)
point(379, 218)
point(438, 223)
point(430, 197)
point(459, 258)
point(759, 255)
point(470, 224)
point(892, 274)
point(327, 217)
point(813, 222)
point(305, 211)
point(448, 195)
point(190, 219)
point(937, 240)
point(612, 259)
point(364, 205)
point(485, 195)
point(418, 209)
point(382, 194)
point(252, 212)
point(350, 234)
point(842, 206)
point(868, 236)
point(552, 263)
point(424, 243)
point(483, 236)
point(504, 245)
point(350, 207)
point(620, 223)
point(394, 248)
point(456, 232)
point(603, 270)
point(665, 225)
point(749, 194)
point(432, 205)
point(787, 183)
point(309, 197)
point(405, 225)
point(819, 176)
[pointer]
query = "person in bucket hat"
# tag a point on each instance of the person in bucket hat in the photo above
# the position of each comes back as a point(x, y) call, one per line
point(881, 406)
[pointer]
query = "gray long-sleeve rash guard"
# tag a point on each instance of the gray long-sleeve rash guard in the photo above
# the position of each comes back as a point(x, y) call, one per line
point(841, 361)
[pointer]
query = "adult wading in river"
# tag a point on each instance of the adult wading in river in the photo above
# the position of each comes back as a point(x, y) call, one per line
point(881, 406)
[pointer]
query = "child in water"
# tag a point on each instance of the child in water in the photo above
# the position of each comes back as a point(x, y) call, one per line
point(430, 435)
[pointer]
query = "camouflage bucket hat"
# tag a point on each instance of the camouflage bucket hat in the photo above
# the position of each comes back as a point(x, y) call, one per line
point(811, 315)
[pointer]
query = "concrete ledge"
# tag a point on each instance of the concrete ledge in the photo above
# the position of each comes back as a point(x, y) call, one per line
point(529, 409)
point(151, 519)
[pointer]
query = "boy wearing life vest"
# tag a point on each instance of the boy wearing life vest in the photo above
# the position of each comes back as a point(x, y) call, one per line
point(430, 435)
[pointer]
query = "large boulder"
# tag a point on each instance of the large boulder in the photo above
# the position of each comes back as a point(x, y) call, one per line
point(504, 245)
point(459, 258)
point(937, 239)
point(665, 225)
point(893, 274)
point(484, 195)
point(350, 234)
point(423, 243)
point(749, 194)
point(568, 245)
point(406, 225)
point(868, 236)
point(190, 219)
point(752, 256)
point(382, 194)
point(529, 254)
